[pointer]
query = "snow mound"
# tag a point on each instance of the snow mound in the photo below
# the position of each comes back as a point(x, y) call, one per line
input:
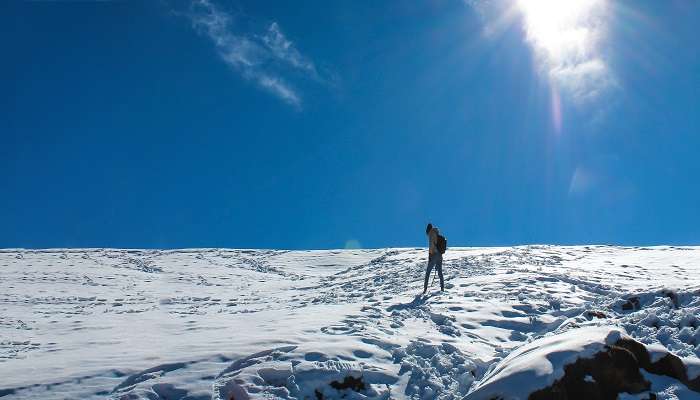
point(277, 374)
point(538, 364)
point(589, 363)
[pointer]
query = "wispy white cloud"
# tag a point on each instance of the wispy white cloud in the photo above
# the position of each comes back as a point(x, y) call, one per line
point(284, 50)
point(279, 88)
point(261, 58)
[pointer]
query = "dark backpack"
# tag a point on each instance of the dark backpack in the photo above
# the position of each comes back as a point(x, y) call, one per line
point(441, 244)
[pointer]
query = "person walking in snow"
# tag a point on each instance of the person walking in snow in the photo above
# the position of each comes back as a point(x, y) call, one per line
point(436, 246)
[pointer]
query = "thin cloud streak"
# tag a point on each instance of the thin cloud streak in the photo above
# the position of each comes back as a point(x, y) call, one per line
point(258, 58)
point(279, 88)
point(284, 50)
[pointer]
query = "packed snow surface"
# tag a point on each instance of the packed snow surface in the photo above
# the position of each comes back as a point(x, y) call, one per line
point(224, 324)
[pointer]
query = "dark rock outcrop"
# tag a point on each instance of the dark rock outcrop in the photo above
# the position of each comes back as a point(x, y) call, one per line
point(588, 363)
point(615, 370)
point(350, 382)
point(590, 314)
point(632, 304)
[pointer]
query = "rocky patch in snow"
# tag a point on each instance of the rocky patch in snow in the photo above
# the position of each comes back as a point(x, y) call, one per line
point(585, 364)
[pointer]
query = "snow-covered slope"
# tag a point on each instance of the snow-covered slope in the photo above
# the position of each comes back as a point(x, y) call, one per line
point(223, 324)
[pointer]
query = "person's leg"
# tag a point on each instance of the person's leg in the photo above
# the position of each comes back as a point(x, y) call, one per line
point(438, 265)
point(427, 274)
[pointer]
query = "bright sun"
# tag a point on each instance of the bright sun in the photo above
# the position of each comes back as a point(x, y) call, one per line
point(562, 29)
point(565, 35)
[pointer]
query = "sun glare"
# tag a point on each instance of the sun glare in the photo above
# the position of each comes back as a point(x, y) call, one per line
point(565, 35)
point(561, 29)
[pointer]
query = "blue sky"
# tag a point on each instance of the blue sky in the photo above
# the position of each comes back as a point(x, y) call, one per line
point(316, 124)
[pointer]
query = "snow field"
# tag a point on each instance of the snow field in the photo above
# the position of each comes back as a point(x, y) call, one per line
point(222, 324)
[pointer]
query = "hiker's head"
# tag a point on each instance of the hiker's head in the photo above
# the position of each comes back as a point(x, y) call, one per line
point(428, 228)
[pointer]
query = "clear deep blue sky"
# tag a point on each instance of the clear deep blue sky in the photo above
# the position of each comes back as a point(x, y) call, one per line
point(315, 124)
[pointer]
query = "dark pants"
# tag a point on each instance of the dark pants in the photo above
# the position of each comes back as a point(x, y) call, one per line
point(434, 261)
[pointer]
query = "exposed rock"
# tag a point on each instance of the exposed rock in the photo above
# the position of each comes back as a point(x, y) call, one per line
point(583, 364)
point(590, 314)
point(614, 371)
point(350, 382)
point(673, 296)
point(631, 304)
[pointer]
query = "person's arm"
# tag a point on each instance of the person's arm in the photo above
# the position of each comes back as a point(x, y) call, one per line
point(432, 242)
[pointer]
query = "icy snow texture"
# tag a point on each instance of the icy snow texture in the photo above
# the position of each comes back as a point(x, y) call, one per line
point(211, 323)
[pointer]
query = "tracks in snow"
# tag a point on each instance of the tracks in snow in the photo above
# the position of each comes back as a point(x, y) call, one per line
point(319, 316)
